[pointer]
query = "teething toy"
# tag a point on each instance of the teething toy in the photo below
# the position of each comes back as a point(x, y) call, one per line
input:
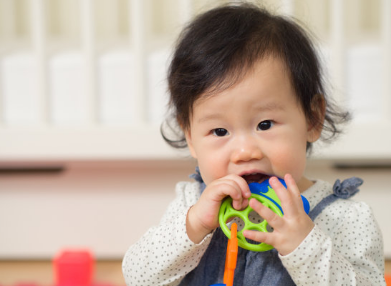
point(231, 258)
point(265, 195)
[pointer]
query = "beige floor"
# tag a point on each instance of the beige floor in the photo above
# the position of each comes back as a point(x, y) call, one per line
point(41, 272)
point(388, 267)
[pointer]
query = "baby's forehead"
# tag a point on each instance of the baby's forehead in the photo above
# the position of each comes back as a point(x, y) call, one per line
point(271, 65)
point(266, 87)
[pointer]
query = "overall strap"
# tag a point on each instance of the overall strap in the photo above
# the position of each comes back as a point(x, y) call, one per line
point(344, 190)
point(197, 177)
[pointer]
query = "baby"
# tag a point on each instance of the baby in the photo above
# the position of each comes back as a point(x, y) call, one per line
point(247, 93)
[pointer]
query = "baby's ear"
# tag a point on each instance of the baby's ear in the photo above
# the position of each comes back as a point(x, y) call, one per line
point(190, 143)
point(315, 123)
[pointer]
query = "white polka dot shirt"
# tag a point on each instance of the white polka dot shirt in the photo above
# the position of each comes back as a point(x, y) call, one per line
point(344, 248)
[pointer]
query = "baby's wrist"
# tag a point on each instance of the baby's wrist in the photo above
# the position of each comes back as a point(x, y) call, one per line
point(195, 230)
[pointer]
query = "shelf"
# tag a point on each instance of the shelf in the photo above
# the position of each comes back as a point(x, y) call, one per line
point(84, 144)
point(364, 142)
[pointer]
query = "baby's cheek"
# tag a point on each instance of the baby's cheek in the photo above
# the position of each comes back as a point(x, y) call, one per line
point(211, 172)
point(289, 161)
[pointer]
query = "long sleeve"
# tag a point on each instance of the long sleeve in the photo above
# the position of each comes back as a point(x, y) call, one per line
point(340, 250)
point(165, 254)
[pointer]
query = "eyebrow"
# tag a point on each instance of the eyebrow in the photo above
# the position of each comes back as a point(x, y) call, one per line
point(271, 106)
point(212, 116)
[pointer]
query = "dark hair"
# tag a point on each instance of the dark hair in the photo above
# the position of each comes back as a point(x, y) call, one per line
point(217, 49)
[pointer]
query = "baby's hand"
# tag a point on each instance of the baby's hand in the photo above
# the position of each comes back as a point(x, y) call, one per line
point(203, 218)
point(289, 230)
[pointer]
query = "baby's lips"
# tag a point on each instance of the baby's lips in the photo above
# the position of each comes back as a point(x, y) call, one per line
point(255, 177)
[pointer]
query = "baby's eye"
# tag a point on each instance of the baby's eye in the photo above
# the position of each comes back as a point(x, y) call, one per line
point(220, 132)
point(265, 125)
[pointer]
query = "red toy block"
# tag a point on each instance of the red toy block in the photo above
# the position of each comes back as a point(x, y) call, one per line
point(73, 268)
point(388, 279)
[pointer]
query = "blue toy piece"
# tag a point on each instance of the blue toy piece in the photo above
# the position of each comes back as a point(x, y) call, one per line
point(263, 189)
point(264, 193)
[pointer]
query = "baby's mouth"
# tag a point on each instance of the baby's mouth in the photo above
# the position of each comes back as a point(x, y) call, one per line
point(255, 178)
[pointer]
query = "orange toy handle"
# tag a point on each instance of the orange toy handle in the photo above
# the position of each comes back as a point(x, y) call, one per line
point(231, 257)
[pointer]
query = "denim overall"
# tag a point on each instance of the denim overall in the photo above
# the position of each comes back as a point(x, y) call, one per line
point(255, 268)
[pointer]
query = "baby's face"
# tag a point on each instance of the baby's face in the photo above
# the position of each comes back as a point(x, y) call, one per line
point(254, 129)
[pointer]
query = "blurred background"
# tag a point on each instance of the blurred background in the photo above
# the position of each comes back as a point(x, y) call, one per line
point(83, 94)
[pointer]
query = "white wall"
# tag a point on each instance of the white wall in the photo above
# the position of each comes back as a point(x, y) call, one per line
point(104, 208)
point(107, 207)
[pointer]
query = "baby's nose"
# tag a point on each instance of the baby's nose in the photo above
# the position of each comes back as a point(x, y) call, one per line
point(246, 149)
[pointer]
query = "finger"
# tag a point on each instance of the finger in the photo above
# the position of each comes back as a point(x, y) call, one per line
point(244, 188)
point(258, 236)
point(222, 188)
point(234, 191)
point(279, 188)
point(229, 187)
point(289, 201)
point(246, 193)
point(292, 186)
point(294, 191)
point(273, 219)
